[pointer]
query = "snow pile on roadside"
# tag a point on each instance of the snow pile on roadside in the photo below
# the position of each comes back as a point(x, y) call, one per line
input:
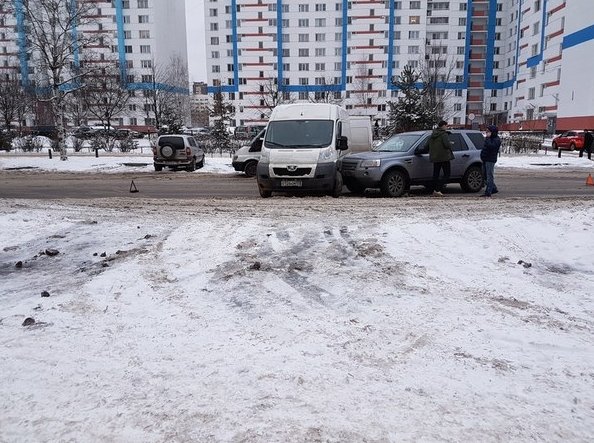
point(321, 320)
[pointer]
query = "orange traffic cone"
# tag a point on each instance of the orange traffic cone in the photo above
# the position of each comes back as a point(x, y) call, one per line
point(589, 180)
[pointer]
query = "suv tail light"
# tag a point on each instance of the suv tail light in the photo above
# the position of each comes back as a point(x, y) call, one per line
point(188, 152)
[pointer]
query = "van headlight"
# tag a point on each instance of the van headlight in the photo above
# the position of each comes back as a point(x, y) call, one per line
point(371, 163)
point(326, 155)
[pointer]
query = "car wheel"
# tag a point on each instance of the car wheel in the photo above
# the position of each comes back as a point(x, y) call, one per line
point(572, 146)
point(158, 168)
point(354, 187)
point(167, 151)
point(264, 193)
point(192, 166)
point(394, 183)
point(554, 145)
point(200, 163)
point(250, 168)
point(473, 179)
point(337, 185)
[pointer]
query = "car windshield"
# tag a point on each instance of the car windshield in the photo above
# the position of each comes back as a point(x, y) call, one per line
point(398, 143)
point(292, 134)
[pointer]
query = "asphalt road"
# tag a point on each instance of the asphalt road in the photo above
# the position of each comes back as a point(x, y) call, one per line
point(512, 183)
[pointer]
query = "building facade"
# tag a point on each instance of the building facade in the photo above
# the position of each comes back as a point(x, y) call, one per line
point(517, 63)
point(143, 38)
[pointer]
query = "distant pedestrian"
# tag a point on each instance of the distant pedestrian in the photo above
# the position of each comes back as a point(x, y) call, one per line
point(440, 154)
point(489, 155)
point(588, 142)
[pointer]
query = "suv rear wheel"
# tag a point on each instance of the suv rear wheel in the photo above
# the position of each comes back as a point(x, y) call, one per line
point(394, 183)
point(473, 179)
point(192, 166)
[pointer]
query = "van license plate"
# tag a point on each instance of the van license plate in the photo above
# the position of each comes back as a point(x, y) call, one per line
point(287, 183)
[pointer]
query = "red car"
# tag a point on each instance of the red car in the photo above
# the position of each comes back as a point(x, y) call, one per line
point(569, 140)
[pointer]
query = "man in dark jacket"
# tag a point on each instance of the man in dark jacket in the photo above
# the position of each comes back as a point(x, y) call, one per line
point(489, 155)
point(440, 154)
point(588, 142)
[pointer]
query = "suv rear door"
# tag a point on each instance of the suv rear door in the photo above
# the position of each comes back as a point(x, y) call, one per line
point(461, 154)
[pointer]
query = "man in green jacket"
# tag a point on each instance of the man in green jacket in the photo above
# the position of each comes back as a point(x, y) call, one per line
point(440, 154)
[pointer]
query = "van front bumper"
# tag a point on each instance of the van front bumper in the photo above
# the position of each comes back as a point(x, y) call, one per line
point(322, 181)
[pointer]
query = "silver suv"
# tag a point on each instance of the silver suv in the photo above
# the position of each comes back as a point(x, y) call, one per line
point(178, 151)
point(403, 160)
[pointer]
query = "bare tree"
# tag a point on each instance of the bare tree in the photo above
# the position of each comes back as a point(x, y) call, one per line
point(270, 95)
point(168, 101)
point(436, 69)
point(327, 94)
point(56, 40)
point(363, 86)
point(15, 102)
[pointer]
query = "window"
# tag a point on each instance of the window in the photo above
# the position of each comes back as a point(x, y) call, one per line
point(143, 19)
point(145, 49)
point(415, 5)
point(143, 4)
point(146, 63)
point(144, 34)
point(414, 35)
point(531, 93)
point(303, 52)
point(414, 20)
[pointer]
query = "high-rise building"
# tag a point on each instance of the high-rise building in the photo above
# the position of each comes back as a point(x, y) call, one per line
point(520, 63)
point(145, 39)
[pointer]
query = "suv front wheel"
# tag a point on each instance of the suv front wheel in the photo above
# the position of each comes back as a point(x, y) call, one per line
point(394, 183)
point(473, 179)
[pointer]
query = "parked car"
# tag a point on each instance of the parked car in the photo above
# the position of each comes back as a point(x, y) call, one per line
point(246, 158)
point(571, 140)
point(403, 161)
point(178, 151)
point(48, 131)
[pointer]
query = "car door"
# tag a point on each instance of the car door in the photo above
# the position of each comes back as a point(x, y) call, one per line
point(418, 164)
point(562, 140)
point(461, 155)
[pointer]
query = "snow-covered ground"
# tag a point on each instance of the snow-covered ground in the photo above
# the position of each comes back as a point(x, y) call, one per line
point(297, 319)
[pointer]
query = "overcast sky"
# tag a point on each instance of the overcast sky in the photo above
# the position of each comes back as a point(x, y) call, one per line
point(196, 46)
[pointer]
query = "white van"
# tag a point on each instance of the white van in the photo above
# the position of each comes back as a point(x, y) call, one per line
point(302, 149)
point(247, 157)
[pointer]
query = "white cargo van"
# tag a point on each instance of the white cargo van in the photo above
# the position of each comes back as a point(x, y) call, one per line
point(246, 158)
point(302, 149)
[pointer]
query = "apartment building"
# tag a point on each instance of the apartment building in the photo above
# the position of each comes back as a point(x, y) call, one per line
point(142, 37)
point(511, 62)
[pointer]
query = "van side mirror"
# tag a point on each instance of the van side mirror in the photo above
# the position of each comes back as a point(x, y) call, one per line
point(342, 143)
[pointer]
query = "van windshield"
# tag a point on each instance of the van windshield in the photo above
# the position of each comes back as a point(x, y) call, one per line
point(292, 134)
point(398, 143)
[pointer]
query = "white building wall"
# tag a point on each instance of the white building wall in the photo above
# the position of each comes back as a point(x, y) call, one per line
point(576, 94)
